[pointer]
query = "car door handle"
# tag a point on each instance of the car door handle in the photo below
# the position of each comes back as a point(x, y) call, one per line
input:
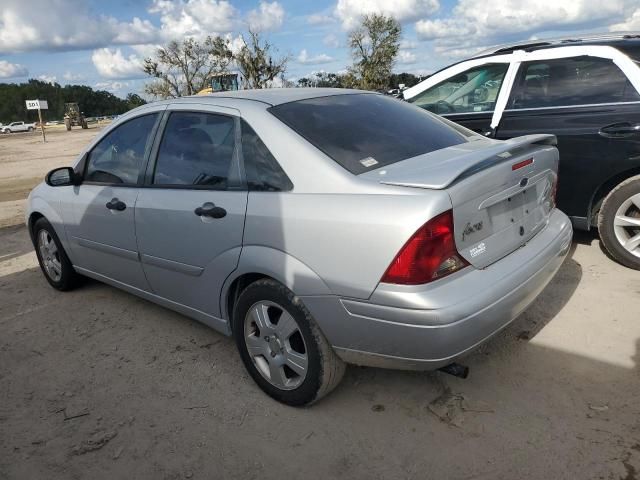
point(620, 130)
point(210, 210)
point(116, 204)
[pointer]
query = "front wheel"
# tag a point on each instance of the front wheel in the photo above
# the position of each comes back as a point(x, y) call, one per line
point(52, 258)
point(619, 223)
point(281, 346)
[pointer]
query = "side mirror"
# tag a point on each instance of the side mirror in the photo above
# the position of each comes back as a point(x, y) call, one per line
point(62, 177)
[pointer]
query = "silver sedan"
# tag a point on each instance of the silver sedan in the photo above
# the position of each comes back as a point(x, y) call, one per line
point(316, 226)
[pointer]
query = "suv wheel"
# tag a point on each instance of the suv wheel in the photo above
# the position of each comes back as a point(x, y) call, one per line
point(619, 223)
point(282, 347)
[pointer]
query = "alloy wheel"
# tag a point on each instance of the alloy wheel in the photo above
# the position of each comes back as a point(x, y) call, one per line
point(49, 255)
point(626, 225)
point(276, 345)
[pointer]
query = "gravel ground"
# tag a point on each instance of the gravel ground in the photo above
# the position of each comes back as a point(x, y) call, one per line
point(97, 383)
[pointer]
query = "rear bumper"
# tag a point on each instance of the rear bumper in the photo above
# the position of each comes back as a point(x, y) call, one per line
point(427, 326)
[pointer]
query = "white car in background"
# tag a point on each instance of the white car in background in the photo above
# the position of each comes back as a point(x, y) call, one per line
point(18, 127)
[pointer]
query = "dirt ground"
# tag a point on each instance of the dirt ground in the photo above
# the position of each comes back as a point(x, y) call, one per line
point(97, 383)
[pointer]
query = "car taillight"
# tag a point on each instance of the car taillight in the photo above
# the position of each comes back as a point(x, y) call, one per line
point(428, 255)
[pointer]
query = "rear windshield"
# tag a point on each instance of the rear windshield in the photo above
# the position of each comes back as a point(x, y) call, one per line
point(363, 132)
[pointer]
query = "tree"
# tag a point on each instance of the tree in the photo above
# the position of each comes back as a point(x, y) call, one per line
point(134, 100)
point(374, 46)
point(186, 67)
point(408, 79)
point(256, 63)
point(93, 103)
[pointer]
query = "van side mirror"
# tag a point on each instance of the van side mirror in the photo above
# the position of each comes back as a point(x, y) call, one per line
point(61, 177)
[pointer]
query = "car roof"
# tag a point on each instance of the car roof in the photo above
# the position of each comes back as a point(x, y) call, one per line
point(278, 96)
point(610, 39)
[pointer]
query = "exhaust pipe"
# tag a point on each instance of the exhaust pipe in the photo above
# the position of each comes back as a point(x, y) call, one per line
point(455, 369)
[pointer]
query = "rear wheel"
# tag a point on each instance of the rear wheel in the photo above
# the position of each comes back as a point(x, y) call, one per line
point(619, 223)
point(281, 346)
point(52, 258)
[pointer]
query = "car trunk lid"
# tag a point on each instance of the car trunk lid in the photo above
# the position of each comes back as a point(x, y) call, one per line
point(501, 191)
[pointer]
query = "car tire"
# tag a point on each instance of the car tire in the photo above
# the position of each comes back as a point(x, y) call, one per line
point(31, 129)
point(619, 223)
point(262, 322)
point(53, 260)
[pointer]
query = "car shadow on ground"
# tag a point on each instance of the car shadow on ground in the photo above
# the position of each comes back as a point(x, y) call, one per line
point(12, 243)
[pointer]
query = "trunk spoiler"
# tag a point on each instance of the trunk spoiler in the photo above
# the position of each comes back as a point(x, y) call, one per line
point(438, 170)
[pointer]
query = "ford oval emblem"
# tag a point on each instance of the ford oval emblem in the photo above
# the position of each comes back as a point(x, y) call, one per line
point(524, 181)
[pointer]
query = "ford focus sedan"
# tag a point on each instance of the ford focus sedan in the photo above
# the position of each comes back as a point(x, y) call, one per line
point(318, 227)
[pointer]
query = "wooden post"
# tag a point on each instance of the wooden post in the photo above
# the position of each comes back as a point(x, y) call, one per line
point(44, 138)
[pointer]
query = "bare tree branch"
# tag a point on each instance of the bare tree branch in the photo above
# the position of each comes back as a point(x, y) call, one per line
point(185, 68)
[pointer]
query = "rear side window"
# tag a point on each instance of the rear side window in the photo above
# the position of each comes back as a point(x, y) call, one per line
point(633, 51)
point(196, 149)
point(263, 172)
point(363, 132)
point(118, 157)
point(571, 81)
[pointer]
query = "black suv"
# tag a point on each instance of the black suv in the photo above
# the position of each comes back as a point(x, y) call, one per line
point(586, 91)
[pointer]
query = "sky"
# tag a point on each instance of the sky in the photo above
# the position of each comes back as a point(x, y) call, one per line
point(102, 43)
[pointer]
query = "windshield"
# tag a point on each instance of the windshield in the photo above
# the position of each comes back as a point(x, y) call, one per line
point(363, 132)
point(475, 90)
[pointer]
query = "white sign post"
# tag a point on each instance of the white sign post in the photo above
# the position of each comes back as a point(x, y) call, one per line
point(39, 105)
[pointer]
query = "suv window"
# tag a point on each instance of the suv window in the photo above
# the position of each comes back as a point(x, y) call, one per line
point(262, 169)
point(196, 149)
point(118, 157)
point(475, 90)
point(633, 51)
point(571, 81)
point(366, 131)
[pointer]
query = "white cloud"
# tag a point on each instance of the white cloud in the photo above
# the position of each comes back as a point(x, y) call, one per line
point(113, 64)
point(72, 77)
point(433, 29)
point(320, 19)
point(269, 16)
point(632, 23)
point(136, 32)
point(64, 25)
point(331, 40)
point(235, 43)
point(350, 12)
point(48, 78)
point(146, 50)
point(12, 70)
point(518, 18)
point(194, 18)
point(408, 44)
point(305, 59)
point(406, 57)
point(113, 87)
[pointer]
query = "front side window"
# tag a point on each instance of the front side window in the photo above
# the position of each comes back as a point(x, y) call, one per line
point(475, 90)
point(366, 131)
point(262, 169)
point(571, 81)
point(118, 157)
point(196, 149)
